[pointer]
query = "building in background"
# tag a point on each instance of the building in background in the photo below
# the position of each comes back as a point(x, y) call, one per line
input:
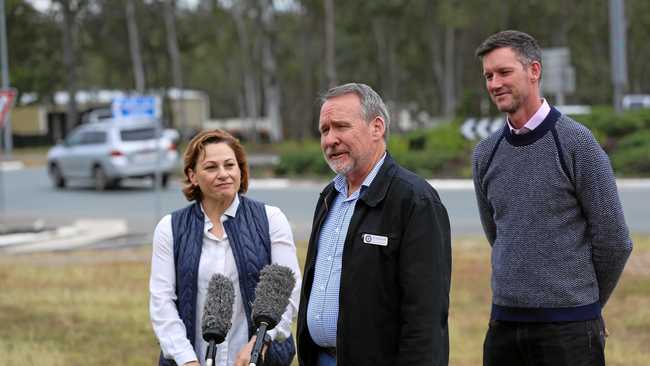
point(35, 123)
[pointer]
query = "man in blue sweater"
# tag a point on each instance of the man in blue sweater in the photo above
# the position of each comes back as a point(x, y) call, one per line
point(550, 209)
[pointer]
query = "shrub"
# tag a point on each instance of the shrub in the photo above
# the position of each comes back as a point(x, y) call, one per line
point(612, 125)
point(632, 155)
point(301, 158)
point(440, 151)
point(443, 152)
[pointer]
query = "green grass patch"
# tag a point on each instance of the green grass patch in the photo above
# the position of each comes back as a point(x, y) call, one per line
point(91, 307)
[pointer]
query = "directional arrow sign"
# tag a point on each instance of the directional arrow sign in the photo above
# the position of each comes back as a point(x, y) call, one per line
point(482, 127)
point(473, 129)
point(467, 129)
point(497, 123)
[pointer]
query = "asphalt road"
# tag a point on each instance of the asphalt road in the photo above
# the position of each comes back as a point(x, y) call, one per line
point(27, 194)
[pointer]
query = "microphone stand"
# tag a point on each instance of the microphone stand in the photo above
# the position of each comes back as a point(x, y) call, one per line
point(259, 343)
point(211, 353)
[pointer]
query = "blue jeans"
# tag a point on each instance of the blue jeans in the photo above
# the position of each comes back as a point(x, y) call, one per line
point(580, 343)
point(325, 359)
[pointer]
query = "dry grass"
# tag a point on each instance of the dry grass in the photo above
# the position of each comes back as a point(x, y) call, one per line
point(75, 309)
point(31, 156)
point(90, 308)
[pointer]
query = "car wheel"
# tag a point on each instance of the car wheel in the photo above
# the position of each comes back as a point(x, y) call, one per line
point(57, 177)
point(101, 180)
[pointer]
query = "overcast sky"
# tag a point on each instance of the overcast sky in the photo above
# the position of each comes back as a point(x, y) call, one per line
point(43, 5)
point(280, 5)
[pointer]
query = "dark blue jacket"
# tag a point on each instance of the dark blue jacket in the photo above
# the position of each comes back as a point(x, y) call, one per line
point(248, 233)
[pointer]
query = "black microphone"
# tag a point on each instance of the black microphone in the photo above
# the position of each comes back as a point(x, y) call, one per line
point(271, 299)
point(217, 314)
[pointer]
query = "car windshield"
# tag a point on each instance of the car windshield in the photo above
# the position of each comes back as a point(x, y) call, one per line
point(138, 134)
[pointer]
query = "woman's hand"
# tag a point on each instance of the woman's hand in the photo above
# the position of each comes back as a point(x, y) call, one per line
point(244, 356)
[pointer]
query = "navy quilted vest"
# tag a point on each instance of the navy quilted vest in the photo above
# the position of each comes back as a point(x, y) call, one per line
point(248, 233)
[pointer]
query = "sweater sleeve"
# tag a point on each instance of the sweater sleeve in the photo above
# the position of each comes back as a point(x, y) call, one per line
point(598, 196)
point(485, 210)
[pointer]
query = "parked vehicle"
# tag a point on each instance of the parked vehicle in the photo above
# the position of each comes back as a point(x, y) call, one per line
point(111, 150)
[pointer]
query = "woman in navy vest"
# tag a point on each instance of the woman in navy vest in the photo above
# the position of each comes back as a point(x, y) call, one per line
point(224, 232)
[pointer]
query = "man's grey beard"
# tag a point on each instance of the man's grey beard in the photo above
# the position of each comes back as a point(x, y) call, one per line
point(341, 170)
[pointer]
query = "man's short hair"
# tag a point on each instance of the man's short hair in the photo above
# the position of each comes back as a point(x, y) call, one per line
point(524, 45)
point(371, 103)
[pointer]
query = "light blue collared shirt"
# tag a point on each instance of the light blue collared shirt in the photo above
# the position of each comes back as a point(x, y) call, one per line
point(323, 307)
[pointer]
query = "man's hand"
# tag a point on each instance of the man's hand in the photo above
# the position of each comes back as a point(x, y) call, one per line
point(244, 356)
point(192, 363)
point(605, 331)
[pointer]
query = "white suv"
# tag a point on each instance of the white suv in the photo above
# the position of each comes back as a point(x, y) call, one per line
point(107, 152)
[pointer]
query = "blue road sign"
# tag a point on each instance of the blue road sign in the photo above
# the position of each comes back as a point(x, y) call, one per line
point(136, 106)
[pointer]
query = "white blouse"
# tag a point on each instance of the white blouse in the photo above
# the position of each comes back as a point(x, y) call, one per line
point(216, 257)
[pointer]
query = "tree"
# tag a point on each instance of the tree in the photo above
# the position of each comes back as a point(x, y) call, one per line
point(70, 9)
point(240, 10)
point(134, 47)
point(255, 57)
point(330, 43)
point(272, 95)
point(443, 53)
point(169, 7)
point(35, 55)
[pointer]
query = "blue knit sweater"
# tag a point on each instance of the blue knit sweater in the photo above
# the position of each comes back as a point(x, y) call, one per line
point(550, 209)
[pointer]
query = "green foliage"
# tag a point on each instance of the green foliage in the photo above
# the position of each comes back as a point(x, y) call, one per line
point(625, 137)
point(612, 125)
point(436, 152)
point(399, 47)
point(632, 155)
point(301, 159)
point(35, 56)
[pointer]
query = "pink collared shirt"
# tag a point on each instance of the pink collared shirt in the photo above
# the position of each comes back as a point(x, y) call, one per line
point(534, 121)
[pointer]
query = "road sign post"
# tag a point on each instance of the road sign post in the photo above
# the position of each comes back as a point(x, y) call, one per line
point(558, 75)
point(144, 106)
point(7, 97)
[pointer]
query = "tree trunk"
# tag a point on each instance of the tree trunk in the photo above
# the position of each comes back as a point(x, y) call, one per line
point(442, 63)
point(134, 47)
point(437, 67)
point(330, 44)
point(70, 62)
point(387, 58)
point(175, 58)
point(449, 74)
point(250, 86)
point(272, 94)
point(303, 126)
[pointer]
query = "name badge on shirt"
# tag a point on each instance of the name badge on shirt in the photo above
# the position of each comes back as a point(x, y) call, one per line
point(375, 239)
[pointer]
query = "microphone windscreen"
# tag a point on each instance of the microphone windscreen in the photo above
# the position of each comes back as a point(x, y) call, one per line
point(217, 312)
point(272, 294)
